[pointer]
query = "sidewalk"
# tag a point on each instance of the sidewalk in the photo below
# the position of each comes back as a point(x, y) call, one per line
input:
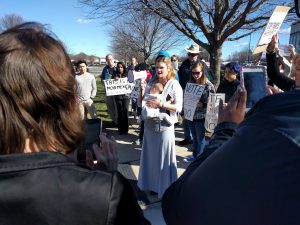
point(129, 157)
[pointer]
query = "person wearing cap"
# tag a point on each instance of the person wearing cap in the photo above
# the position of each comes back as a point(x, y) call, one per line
point(230, 82)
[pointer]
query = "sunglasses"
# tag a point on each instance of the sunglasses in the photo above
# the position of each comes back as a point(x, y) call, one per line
point(196, 73)
point(192, 54)
point(174, 60)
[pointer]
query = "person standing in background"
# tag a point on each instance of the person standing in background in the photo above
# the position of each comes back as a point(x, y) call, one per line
point(121, 101)
point(131, 80)
point(87, 89)
point(184, 77)
point(197, 125)
point(107, 73)
point(174, 60)
point(230, 82)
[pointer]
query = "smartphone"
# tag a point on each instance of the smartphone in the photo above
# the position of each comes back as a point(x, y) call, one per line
point(92, 132)
point(254, 80)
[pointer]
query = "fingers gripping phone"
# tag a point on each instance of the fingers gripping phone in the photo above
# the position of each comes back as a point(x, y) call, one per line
point(92, 132)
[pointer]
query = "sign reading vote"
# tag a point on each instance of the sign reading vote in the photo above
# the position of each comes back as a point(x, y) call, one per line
point(212, 111)
point(191, 98)
point(118, 87)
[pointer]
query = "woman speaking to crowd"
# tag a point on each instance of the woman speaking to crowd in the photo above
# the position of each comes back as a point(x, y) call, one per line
point(158, 168)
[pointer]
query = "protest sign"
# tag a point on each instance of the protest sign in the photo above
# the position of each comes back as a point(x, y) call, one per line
point(272, 28)
point(191, 97)
point(254, 79)
point(117, 87)
point(136, 90)
point(140, 74)
point(212, 111)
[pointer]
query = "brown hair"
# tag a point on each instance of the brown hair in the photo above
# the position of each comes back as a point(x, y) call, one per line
point(202, 79)
point(167, 61)
point(38, 92)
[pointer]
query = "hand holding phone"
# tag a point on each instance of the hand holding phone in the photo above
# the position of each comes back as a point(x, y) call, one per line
point(93, 130)
point(107, 154)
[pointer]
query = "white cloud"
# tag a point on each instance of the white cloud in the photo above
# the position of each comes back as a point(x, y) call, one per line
point(285, 31)
point(241, 44)
point(84, 21)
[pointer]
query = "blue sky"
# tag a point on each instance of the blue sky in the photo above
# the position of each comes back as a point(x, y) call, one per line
point(67, 21)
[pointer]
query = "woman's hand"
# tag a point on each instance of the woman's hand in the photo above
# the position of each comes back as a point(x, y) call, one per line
point(153, 103)
point(273, 45)
point(106, 154)
point(235, 110)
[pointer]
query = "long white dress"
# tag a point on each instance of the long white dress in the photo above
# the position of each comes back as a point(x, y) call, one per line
point(158, 167)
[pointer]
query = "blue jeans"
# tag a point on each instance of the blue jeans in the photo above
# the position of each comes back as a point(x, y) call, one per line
point(198, 133)
point(187, 130)
point(134, 104)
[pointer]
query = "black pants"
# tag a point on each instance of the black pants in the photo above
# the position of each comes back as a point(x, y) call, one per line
point(122, 102)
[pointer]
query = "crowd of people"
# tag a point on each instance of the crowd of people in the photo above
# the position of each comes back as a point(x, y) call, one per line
point(248, 172)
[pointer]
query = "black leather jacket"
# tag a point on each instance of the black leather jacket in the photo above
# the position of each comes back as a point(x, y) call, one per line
point(49, 188)
point(247, 174)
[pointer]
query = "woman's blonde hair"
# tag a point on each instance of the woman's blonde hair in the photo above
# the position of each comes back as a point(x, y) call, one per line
point(167, 61)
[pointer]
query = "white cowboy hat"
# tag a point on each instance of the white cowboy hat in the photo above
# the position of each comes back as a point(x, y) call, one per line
point(193, 49)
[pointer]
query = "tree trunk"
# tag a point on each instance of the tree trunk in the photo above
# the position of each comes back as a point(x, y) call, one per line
point(215, 54)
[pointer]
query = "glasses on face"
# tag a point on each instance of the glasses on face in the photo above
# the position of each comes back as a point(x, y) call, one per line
point(174, 60)
point(196, 73)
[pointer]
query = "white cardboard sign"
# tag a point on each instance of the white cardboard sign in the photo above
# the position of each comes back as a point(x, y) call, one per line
point(191, 97)
point(212, 111)
point(117, 87)
point(140, 74)
point(272, 28)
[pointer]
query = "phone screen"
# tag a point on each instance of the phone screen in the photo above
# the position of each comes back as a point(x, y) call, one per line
point(254, 79)
point(93, 130)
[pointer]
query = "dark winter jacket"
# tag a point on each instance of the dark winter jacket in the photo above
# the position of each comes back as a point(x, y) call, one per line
point(247, 174)
point(228, 87)
point(49, 188)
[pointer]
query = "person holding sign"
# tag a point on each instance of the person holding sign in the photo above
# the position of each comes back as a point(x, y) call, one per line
point(121, 101)
point(230, 83)
point(158, 167)
point(283, 82)
point(201, 91)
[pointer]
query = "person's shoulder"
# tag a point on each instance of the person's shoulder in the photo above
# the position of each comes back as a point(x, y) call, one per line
point(210, 84)
point(92, 76)
point(185, 63)
point(175, 83)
